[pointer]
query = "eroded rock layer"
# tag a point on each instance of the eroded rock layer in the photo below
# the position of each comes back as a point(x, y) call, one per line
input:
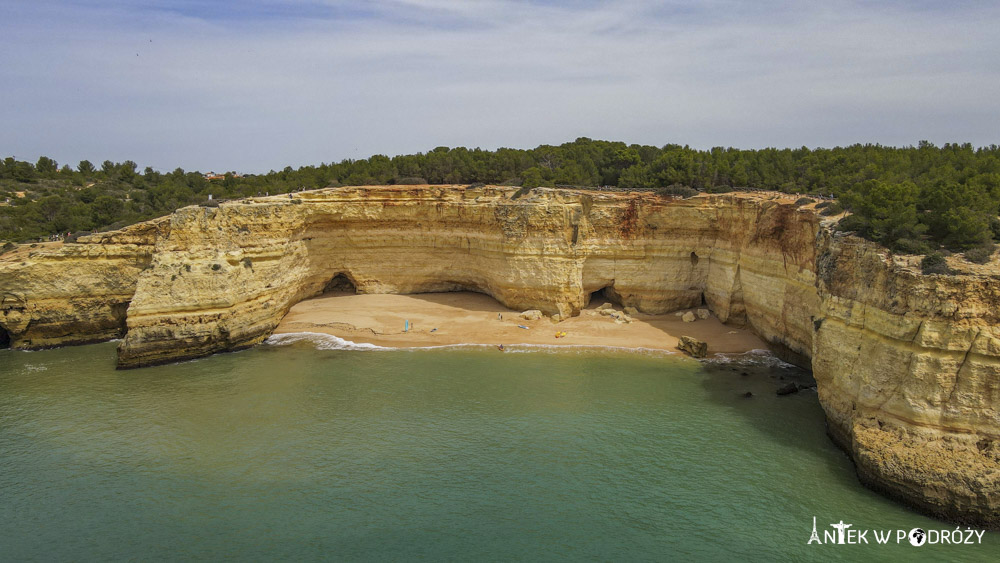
point(75, 293)
point(906, 365)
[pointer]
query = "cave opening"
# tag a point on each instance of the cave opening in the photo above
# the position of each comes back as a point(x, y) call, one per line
point(606, 294)
point(694, 258)
point(4, 338)
point(340, 283)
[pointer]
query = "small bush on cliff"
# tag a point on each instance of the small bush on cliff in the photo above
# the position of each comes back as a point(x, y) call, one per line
point(934, 263)
point(803, 201)
point(7, 247)
point(216, 267)
point(677, 190)
point(980, 254)
point(910, 246)
point(831, 208)
point(520, 192)
point(411, 181)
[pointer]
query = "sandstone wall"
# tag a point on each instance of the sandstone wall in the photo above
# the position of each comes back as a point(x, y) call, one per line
point(224, 277)
point(907, 366)
point(74, 293)
point(908, 372)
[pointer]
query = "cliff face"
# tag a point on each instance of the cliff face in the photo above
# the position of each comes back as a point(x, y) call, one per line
point(906, 365)
point(224, 277)
point(75, 293)
point(908, 372)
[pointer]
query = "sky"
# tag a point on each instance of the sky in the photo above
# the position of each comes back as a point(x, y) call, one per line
point(255, 85)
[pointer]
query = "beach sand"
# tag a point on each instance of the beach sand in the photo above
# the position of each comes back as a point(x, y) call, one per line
point(472, 318)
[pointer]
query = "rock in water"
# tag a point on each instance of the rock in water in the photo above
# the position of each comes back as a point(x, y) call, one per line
point(787, 389)
point(532, 315)
point(748, 395)
point(703, 314)
point(688, 317)
point(693, 347)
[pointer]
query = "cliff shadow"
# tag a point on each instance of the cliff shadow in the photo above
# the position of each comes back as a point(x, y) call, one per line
point(5, 338)
point(794, 420)
point(471, 300)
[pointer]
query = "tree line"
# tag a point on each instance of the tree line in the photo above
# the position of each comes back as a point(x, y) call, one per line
point(912, 199)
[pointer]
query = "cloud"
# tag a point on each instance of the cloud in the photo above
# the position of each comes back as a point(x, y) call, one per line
point(258, 85)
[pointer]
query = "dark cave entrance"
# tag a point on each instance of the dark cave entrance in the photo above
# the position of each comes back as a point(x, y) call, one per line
point(606, 294)
point(340, 283)
point(4, 338)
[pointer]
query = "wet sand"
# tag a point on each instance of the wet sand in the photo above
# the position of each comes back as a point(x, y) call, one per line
point(473, 318)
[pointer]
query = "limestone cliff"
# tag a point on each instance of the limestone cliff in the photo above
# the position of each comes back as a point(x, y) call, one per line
point(73, 293)
point(906, 364)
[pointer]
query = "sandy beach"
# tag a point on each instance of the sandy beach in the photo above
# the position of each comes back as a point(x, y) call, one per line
point(473, 318)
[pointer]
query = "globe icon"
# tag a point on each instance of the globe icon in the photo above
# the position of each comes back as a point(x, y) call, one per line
point(917, 537)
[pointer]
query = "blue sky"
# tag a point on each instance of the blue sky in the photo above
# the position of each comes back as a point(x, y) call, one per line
point(259, 84)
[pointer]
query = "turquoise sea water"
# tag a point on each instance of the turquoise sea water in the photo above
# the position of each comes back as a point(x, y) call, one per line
point(297, 453)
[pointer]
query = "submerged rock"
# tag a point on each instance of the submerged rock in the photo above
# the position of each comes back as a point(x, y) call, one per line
point(693, 347)
point(787, 389)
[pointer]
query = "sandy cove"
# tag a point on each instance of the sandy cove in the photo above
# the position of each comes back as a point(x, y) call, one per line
point(473, 318)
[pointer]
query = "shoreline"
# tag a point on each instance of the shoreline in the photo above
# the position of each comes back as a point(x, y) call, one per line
point(437, 320)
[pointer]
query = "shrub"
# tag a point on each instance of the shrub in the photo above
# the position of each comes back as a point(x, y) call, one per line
point(216, 267)
point(475, 185)
point(720, 189)
point(247, 263)
point(520, 192)
point(678, 190)
point(834, 208)
point(823, 204)
point(7, 247)
point(803, 201)
point(910, 246)
point(934, 263)
point(411, 181)
point(852, 223)
point(980, 254)
point(995, 227)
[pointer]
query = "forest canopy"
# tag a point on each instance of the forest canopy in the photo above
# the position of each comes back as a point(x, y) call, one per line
point(911, 199)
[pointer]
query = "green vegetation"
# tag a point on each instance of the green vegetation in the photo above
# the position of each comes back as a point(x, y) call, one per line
point(912, 199)
point(981, 254)
point(934, 263)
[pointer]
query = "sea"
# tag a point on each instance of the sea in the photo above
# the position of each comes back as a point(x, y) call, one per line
point(310, 448)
